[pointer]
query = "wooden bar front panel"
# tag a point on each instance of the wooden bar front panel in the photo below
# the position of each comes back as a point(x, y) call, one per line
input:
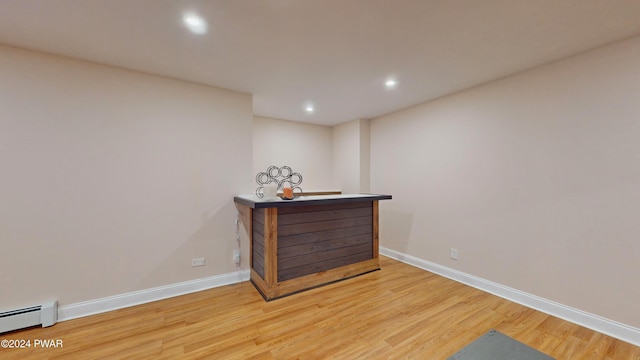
point(300, 247)
point(257, 246)
point(312, 239)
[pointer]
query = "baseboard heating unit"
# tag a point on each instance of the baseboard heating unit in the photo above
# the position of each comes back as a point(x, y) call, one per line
point(45, 314)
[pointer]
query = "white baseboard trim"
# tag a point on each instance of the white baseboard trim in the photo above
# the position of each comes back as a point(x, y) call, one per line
point(594, 322)
point(92, 307)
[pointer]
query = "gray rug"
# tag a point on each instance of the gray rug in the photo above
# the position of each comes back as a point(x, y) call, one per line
point(497, 346)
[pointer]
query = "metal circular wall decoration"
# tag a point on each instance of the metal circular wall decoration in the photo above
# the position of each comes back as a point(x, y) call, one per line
point(280, 176)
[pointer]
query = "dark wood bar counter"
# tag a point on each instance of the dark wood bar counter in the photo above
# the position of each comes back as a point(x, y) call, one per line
point(310, 241)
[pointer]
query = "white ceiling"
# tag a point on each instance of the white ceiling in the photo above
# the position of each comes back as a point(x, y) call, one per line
point(333, 53)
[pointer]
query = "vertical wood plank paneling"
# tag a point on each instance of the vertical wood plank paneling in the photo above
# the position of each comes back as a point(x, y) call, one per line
point(375, 229)
point(271, 246)
point(257, 248)
point(258, 243)
point(250, 221)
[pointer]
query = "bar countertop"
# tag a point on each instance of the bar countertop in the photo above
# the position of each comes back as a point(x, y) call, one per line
point(255, 202)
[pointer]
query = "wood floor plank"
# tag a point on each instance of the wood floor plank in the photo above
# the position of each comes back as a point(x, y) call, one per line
point(400, 312)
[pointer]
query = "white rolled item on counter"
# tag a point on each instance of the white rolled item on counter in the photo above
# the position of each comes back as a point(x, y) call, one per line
point(270, 191)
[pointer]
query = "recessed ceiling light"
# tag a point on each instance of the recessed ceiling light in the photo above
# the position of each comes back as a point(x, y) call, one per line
point(195, 24)
point(391, 83)
point(309, 109)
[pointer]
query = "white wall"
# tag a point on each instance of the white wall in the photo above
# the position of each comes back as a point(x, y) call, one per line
point(112, 180)
point(535, 179)
point(365, 156)
point(306, 148)
point(350, 143)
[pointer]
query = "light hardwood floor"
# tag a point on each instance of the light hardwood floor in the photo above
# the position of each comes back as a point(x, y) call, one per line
point(400, 312)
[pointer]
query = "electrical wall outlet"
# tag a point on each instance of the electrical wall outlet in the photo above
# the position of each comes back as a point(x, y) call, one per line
point(454, 254)
point(197, 262)
point(236, 256)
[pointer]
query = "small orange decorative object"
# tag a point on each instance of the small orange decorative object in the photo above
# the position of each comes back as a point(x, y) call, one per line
point(287, 193)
